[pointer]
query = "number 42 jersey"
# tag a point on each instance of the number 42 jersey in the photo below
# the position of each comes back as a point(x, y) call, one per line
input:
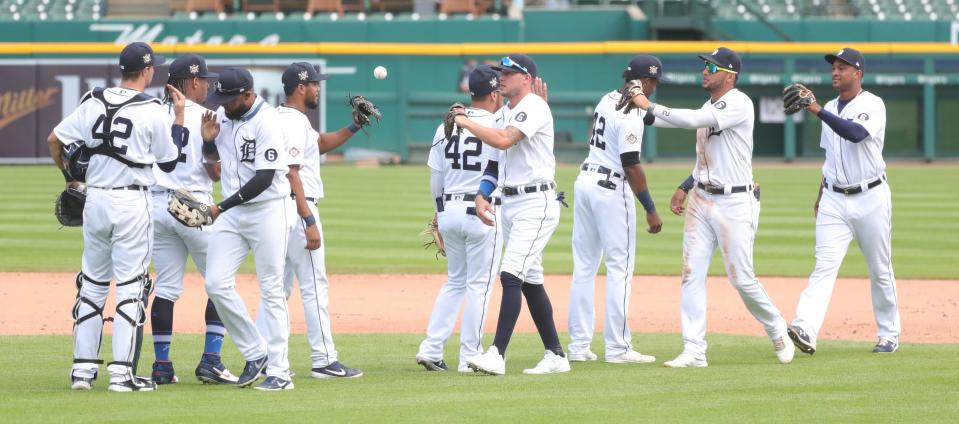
point(463, 158)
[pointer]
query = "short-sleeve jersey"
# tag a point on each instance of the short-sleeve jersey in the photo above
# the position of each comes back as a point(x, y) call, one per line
point(463, 159)
point(531, 159)
point(189, 173)
point(614, 133)
point(302, 149)
point(249, 144)
point(849, 163)
point(140, 130)
point(724, 154)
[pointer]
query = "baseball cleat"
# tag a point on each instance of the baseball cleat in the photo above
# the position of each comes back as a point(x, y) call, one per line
point(586, 356)
point(801, 339)
point(251, 372)
point(81, 383)
point(273, 384)
point(464, 368)
point(885, 346)
point(336, 370)
point(136, 384)
point(432, 365)
point(163, 373)
point(211, 370)
point(687, 360)
point(491, 362)
point(550, 364)
point(785, 351)
point(630, 357)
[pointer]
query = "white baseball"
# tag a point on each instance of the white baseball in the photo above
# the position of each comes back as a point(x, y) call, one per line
point(379, 72)
point(489, 215)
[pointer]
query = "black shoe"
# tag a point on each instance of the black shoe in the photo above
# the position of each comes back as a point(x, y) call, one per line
point(272, 384)
point(137, 384)
point(801, 339)
point(251, 372)
point(211, 370)
point(885, 346)
point(432, 365)
point(336, 370)
point(163, 373)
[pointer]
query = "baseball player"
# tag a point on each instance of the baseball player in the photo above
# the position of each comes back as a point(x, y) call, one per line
point(172, 242)
point(128, 131)
point(723, 209)
point(604, 220)
point(305, 253)
point(246, 135)
point(854, 202)
point(529, 213)
point(472, 249)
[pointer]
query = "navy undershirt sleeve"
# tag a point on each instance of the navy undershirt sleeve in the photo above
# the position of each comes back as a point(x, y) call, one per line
point(849, 130)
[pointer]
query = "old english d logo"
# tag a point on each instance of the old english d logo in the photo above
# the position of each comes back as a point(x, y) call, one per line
point(248, 150)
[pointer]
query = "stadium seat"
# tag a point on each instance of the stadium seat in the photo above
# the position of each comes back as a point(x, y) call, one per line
point(261, 6)
point(313, 6)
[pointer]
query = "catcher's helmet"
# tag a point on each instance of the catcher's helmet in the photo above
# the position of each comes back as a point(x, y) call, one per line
point(76, 158)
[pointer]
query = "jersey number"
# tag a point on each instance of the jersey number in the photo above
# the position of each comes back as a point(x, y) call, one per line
point(453, 153)
point(599, 127)
point(99, 132)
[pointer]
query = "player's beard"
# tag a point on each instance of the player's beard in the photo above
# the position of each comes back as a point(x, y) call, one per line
point(311, 104)
point(238, 112)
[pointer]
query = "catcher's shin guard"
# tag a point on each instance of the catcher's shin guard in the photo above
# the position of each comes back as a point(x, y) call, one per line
point(88, 325)
point(132, 296)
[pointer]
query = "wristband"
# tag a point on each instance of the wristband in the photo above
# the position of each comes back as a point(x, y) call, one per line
point(310, 220)
point(209, 148)
point(647, 201)
point(486, 189)
point(652, 106)
point(353, 127)
point(687, 185)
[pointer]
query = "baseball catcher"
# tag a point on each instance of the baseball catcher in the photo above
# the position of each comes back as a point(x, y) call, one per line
point(189, 210)
point(363, 109)
point(797, 97)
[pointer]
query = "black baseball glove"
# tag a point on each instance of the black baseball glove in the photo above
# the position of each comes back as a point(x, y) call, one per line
point(363, 109)
point(189, 210)
point(797, 97)
point(69, 206)
point(449, 121)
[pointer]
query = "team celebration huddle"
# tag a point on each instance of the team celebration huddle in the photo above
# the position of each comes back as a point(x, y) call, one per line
point(140, 170)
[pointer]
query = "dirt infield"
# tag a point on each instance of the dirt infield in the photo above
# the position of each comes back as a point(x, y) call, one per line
point(40, 303)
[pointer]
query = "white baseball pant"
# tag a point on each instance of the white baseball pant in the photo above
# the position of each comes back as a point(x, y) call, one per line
point(172, 243)
point(528, 221)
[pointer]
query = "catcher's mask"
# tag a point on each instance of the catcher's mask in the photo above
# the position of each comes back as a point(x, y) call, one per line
point(76, 159)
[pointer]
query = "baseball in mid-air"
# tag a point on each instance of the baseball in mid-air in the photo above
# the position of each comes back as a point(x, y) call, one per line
point(379, 72)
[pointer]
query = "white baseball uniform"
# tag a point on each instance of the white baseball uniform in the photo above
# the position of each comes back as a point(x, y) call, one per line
point(251, 143)
point(725, 213)
point(117, 226)
point(604, 225)
point(173, 241)
point(865, 215)
point(307, 266)
point(528, 218)
point(473, 249)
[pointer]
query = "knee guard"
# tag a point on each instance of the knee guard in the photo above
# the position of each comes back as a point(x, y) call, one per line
point(86, 309)
point(139, 312)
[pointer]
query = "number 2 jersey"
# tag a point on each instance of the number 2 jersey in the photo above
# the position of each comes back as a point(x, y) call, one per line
point(189, 173)
point(614, 133)
point(463, 159)
point(140, 129)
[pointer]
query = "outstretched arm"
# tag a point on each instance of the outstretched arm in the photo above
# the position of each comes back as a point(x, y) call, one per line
point(331, 140)
point(500, 138)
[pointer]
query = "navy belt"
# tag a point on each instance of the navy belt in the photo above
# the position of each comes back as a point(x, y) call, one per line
point(600, 170)
point(532, 188)
point(856, 189)
point(441, 202)
point(308, 199)
point(129, 187)
point(721, 190)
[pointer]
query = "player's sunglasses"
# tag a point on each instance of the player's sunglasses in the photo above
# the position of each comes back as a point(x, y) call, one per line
point(509, 63)
point(219, 89)
point(712, 68)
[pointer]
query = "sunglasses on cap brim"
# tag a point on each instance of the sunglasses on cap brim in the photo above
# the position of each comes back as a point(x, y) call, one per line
point(713, 68)
point(230, 92)
point(510, 65)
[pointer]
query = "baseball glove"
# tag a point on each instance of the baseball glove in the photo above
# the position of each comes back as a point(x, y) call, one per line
point(797, 97)
point(188, 210)
point(631, 89)
point(69, 206)
point(363, 109)
point(433, 230)
point(449, 121)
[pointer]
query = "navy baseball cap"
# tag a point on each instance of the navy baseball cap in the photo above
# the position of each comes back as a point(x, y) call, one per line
point(138, 55)
point(517, 63)
point(190, 66)
point(301, 73)
point(645, 66)
point(724, 58)
point(483, 80)
point(850, 56)
point(231, 83)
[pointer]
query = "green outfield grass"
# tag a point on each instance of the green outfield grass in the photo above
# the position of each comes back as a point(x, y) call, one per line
point(843, 382)
point(371, 218)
